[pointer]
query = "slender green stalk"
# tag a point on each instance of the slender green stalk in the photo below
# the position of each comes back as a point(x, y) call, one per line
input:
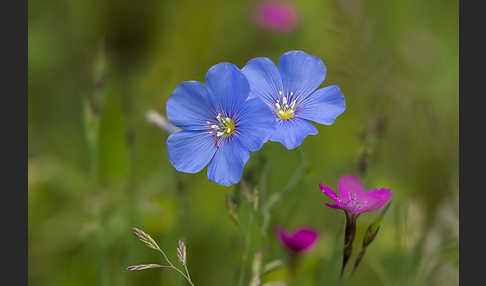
point(291, 184)
point(187, 277)
point(370, 236)
point(187, 272)
point(152, 244)
point(358, 260)
point(247, 247)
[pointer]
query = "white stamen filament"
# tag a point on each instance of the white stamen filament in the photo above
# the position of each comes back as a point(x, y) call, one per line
point(224, 126)
point(284, 110)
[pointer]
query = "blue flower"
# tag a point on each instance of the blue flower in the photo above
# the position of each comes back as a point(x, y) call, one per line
point(219, 123)
point(289, 91)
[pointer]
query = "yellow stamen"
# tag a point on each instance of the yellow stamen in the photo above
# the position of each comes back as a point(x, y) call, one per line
point(284, 110)
point(225, 126)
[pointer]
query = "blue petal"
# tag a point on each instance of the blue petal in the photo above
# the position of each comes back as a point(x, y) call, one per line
point(228, 86)
point(323, 106)
point(301, 73)
point(256, 123)
point(189, 106)
point(292, 132)
point(190, 151)
point(264, 79)
point(227, 164)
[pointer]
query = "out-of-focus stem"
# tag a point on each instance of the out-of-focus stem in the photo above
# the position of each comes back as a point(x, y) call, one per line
point(358, 260)
point(276, 197)
point(164, 124)
point(247, 248)
point(370, 235)
point(293, 264)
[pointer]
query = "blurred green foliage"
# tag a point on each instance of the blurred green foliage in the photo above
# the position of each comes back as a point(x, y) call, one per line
point(98, 168)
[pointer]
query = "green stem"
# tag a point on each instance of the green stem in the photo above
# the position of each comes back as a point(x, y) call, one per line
point(358, 260)
point(293, 265)
point(247, 247)
point(187, 272)
point(187, 277)
point(276, 197)
point(348, 240)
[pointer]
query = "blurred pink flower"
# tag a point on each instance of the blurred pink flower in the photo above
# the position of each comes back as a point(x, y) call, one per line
point(301, 240)
point(276, 16)
point(353, 197)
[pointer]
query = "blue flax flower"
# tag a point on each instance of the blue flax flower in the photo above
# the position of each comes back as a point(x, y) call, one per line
point(290, 92)
point(219, 123)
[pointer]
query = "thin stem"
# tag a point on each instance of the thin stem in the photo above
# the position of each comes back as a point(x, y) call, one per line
point(182, 273)
point(293, 264)
point(247, 248)
point(358, 260)
point(348, 240)
point(187, 272)
point(166, 258)
point(297, 175)
point(276, 197)
point(187, 277)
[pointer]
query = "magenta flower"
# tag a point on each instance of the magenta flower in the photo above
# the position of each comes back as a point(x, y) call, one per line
point(353, 199)
point(276, 16)
point(299, 241)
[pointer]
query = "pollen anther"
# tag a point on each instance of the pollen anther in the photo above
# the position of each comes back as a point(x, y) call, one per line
point(284, 110)
point(224, 127)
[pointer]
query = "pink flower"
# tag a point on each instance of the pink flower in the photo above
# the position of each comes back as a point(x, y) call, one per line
point(353, 197)
point(299, 241)
point(276, 16)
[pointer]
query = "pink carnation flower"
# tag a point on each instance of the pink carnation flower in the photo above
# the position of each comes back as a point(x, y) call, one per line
point(277, 16)
point(353, 199)
point(299, 241)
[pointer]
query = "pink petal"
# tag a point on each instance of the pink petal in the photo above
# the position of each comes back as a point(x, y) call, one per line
point(334, 206)
point(380, 196)
point(348, 186)
point(305, 238)
point(276, 15)
point(301, 240)
point(365, 207)
point(330, 193)
point(281, 233)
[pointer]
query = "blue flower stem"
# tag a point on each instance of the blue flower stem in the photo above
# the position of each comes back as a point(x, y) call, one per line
point(246, 252)
point(291, 184)
point(184, 209)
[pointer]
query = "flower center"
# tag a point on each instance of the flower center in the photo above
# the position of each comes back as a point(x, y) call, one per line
point(224, 127)
point(283, 109)
point(354, 204)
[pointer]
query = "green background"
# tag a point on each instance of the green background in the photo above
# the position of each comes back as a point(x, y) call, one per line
point(98, 168)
